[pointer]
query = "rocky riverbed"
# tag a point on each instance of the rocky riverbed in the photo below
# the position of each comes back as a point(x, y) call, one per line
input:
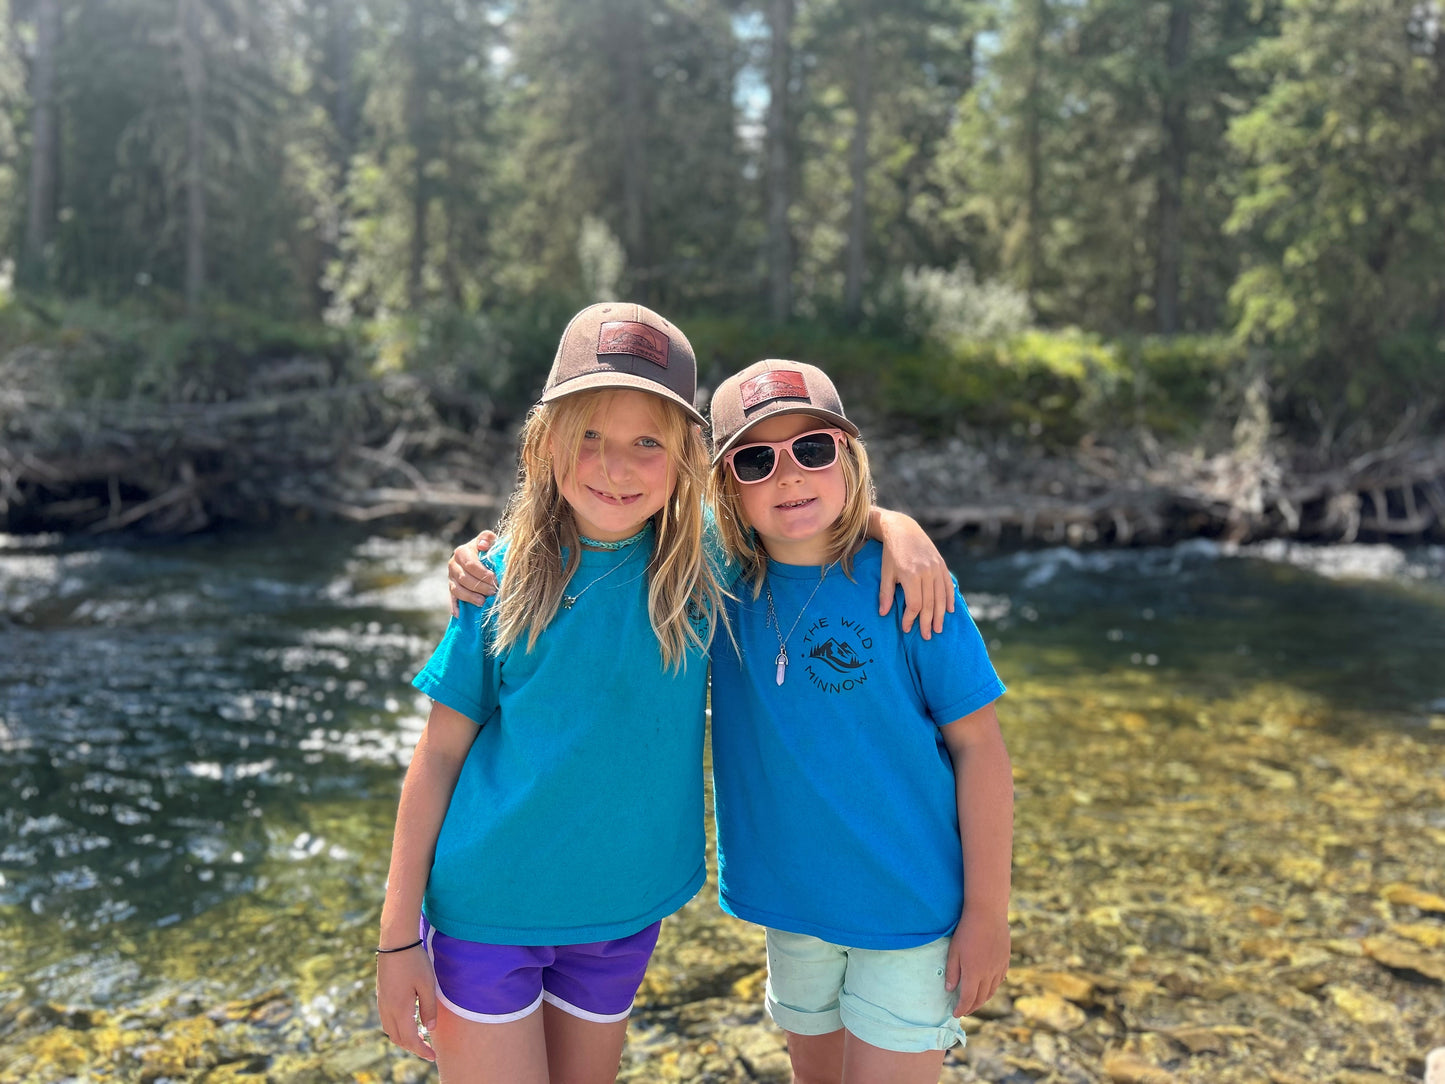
point(1236, 887)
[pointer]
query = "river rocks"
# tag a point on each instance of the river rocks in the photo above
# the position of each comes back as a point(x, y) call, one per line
point(1404, 895)
point(1072, 987)
point(1194, 921)
point(1125, 1068)
point(1361, 1006)
point(1051, 1010)
point(1401, 957)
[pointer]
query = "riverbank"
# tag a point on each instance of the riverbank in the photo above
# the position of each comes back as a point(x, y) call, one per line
point(298, 445)
point(1216, 891)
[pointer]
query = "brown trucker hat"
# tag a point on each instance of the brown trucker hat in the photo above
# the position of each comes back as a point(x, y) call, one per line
point(772, 387)
point(620, 344)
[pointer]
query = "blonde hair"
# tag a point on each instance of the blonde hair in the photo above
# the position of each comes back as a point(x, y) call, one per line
point(683, 596)
point(845, 534)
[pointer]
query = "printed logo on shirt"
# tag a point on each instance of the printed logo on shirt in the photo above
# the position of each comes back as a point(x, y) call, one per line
point(836, 654)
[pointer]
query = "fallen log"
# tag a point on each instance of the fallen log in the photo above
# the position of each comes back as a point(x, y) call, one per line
point(356, 452)
point(372, 451)
point(1395, 494)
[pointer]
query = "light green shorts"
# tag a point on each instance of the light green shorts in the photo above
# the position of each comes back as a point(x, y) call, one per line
point(891, 998)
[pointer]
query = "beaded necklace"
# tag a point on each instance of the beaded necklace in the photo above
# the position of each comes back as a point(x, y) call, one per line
point(621, 543)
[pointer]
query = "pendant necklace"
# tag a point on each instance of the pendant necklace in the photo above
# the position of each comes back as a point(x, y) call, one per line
point(568, 601)
point(782, 659)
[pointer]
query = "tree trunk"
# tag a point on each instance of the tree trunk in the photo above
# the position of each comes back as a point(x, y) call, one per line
point(452, 215)
point(415, 115)
point(780, 166)
point(858, 166)
point(341, 19)
point(629, 33)
point(44, 146)
point(1033, 157)
point(1439, 154)
point(193, 74)
point(1168, 256)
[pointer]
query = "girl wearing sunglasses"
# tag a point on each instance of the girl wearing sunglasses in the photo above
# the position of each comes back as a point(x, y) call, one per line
point(864, 796)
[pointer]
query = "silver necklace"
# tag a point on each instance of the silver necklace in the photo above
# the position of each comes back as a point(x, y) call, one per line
point(568, 601)
point(782, 659)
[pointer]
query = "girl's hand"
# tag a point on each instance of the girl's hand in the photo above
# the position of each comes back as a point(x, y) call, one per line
point(978, 958)
point(404, 981)
point(468, 579)
point(912, 561)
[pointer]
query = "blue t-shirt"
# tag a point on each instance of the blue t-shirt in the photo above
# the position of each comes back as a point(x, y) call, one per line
point(836, 809)
point(578, 814)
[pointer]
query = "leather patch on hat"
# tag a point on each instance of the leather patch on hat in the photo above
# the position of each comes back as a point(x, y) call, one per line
point(778, 384)
point(631, 337)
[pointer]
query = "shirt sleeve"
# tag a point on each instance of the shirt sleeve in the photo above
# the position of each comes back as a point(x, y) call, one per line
point(952, 669)
point(464, 673)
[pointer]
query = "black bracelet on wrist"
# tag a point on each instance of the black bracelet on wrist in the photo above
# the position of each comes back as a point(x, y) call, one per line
point(399, 948)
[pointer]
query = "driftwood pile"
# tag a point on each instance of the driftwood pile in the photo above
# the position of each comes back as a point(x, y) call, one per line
point(301, 446)
point(346, 451)
point(1104, 496)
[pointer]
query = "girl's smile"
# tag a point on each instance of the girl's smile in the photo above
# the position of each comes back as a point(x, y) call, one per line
point(618, 499)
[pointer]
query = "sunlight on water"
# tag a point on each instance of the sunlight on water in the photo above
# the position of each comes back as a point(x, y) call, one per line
point(203, 742)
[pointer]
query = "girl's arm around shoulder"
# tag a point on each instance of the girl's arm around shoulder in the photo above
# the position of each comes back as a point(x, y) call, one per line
point(978, 956)
point(911, 561)
point(404, 980)
point(464, 671)
point(468, 578)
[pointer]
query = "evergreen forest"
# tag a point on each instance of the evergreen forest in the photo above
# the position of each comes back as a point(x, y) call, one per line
point(1052, 218)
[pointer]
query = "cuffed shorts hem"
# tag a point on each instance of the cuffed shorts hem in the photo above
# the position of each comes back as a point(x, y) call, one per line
point(893, 999)
point(802, 1021)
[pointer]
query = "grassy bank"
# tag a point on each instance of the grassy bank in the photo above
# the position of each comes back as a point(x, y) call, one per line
point(1055, 386)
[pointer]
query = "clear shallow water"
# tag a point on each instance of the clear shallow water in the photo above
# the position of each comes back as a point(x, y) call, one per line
point(171, 719)
point(202, 742)
point(1361, 626)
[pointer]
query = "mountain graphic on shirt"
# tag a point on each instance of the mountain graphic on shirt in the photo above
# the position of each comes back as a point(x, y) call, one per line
point(841, 657)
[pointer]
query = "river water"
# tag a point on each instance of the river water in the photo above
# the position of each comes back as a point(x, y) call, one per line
point(201, 745)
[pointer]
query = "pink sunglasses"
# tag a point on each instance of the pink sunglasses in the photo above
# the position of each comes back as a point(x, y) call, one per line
point(816, 449)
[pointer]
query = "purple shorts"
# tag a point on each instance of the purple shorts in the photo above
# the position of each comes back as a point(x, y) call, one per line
point(494, 984)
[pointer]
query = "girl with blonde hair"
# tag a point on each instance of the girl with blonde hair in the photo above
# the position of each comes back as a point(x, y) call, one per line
point(553, 812)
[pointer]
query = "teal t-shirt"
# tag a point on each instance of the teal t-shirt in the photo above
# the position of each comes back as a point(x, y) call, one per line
point(836, 805)
point(578, 814)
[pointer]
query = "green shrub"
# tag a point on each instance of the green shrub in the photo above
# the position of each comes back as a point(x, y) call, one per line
point(93, 351)
point(1183, 382)
point(1053, 386)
